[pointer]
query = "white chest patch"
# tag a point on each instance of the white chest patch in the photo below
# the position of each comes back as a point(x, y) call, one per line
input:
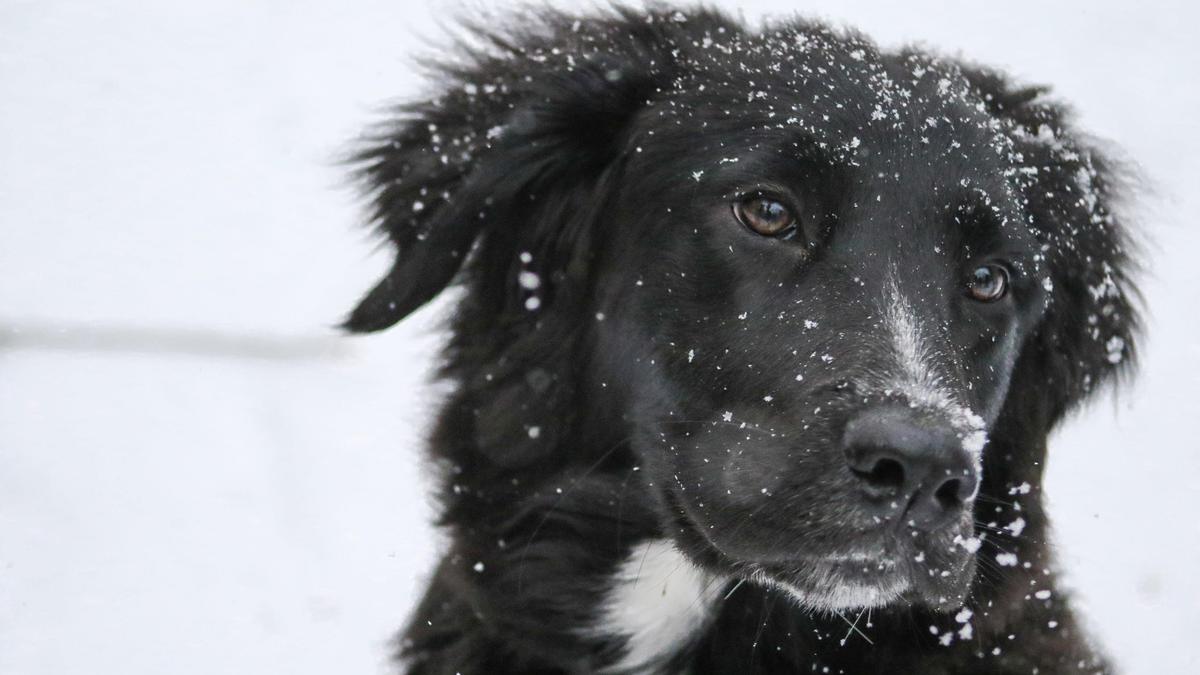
point(658, 602)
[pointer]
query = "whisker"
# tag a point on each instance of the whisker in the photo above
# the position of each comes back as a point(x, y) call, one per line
point(853, 627)
point(764, 616)
point(992, 500)
point(735, 587)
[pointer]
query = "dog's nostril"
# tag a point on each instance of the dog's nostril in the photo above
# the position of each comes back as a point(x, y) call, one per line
point(886, 475)
point(949, 494)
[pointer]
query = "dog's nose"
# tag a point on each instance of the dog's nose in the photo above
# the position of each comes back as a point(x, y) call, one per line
point(908, 466)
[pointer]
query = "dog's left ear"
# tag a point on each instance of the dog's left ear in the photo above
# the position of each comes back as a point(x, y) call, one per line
point(1072, 195)
point(518, 138)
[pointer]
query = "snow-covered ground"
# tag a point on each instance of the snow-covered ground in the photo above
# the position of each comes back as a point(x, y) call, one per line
point(196, 476)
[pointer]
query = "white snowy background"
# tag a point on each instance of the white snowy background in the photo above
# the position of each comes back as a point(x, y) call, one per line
point(198, 476)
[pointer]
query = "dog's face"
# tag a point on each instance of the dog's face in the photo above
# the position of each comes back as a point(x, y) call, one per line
point(823, 317)
point(818, 284)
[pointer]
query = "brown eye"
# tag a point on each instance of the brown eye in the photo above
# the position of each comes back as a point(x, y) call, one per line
point(988, 283)
point(766, 216)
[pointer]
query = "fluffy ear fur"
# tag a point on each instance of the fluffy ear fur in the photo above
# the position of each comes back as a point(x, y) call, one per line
point(1086, 338)
point(500, 180)
point(512, 150)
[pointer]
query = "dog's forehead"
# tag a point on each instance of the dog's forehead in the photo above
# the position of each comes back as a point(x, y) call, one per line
point(907, 123)
point(839, 91)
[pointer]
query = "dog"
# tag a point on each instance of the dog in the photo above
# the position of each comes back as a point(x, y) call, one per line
point(761, 337)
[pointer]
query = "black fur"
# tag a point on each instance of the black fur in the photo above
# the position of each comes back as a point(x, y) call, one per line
point(600, 153)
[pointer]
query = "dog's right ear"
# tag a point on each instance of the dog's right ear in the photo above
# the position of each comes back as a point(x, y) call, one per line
point(533, 113)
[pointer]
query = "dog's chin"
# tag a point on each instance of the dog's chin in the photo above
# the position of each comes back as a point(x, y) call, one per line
point(933, 572)
point(852, 582)
point(834, 584)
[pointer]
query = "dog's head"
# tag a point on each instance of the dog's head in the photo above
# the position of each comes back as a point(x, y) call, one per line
point(836, 298)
